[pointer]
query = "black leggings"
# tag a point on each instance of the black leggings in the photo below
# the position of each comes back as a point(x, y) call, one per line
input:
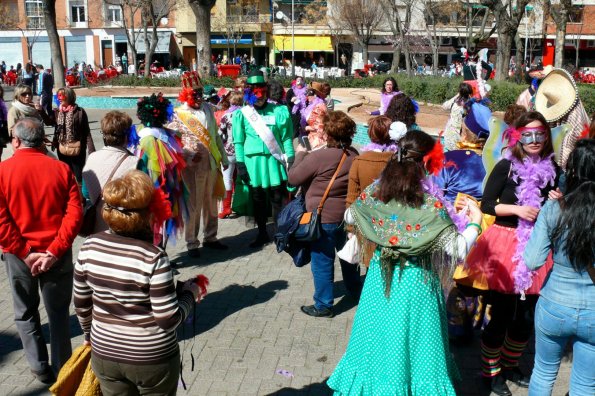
point(510, 316)
point(276, 196)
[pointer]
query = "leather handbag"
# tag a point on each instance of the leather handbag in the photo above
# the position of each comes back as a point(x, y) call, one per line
point(70, 149)
point(310, 227)
point(90, 209)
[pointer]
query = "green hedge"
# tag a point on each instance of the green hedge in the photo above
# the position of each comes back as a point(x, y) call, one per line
point(425, 89)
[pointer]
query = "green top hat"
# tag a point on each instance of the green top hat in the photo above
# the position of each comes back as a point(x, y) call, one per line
point(256, 77)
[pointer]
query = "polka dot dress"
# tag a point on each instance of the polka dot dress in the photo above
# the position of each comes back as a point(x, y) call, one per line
point(398, 345)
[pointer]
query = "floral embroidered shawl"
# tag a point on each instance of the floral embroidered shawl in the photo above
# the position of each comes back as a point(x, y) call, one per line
point(405, 234)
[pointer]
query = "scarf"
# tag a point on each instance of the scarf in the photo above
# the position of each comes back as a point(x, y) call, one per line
point(27, 110)
point(532, 175)
point(232, 108)
point(380, 147)
point(65, 125)
point(403, 233)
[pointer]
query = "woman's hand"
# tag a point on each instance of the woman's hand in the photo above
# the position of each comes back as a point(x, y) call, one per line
point(528, 213)
point(192, 287)
point(555, 194)
point(475, 214)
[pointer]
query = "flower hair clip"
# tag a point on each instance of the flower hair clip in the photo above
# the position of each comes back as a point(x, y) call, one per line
point(397, 130)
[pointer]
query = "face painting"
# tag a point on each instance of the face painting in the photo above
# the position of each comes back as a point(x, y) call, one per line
point(259, 92)
point(532, 135)
point(61, 97)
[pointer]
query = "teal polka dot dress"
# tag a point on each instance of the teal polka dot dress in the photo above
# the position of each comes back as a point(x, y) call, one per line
point(398, 345)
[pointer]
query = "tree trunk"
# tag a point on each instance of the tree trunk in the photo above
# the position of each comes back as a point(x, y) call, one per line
point(203, 37)
point(49, 11)
point(560, 38)
point(150, 50)
point(519, 58)
point(394, 68)
point(435, 59)
point(503, 56)
point(364, 53)
point(407, 59)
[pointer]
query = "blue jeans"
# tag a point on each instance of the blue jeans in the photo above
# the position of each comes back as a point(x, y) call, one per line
point(555, 324)
point(323, 266)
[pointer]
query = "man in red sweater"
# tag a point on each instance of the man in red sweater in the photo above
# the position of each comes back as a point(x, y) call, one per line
point(40, 215)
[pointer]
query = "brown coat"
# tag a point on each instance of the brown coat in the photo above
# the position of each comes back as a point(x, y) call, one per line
point(313, 171)
point(365, 169)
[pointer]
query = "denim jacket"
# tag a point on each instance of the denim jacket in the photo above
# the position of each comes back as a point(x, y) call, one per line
point(564, 285)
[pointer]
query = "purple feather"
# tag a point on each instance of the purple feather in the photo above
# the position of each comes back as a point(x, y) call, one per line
point(459, 219)
point(532, 175)
point(379, 147)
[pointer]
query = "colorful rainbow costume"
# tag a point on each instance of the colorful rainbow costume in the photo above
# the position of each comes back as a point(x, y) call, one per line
point(161, 152)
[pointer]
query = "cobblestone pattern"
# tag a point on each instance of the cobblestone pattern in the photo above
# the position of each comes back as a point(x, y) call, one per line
point(247, 330)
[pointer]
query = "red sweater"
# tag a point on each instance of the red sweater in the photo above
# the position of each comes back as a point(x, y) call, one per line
point(40, 204)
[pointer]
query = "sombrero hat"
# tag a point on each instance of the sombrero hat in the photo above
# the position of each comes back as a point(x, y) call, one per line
point(541, 73)
point(317, 88)
point(556, 96)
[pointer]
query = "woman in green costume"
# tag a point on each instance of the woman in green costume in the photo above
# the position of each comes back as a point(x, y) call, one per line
point(399, 340)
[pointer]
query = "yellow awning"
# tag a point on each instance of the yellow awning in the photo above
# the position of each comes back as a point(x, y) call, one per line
point(304, 43)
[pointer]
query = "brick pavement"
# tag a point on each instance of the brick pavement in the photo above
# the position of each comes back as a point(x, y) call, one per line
point(247, 328)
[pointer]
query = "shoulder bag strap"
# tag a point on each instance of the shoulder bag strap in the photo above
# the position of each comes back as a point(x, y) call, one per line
point(109, 179)
point(330, 184)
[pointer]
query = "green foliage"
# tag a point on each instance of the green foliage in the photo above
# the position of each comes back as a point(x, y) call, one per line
point(425, 89)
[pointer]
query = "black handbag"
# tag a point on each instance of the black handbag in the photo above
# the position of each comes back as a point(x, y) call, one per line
point(310, 227)
point(90, 208)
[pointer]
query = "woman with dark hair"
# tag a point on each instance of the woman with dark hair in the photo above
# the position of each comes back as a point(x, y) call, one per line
point(395, 347)
point(514, 192)
point(125, 296)
point(28, 75)
point(314, 171)
point(72, 136)
point(276, 92)
point(402, 108)
point(456, 108)
point(389, 90)
point(161, 150)
point(566, 306)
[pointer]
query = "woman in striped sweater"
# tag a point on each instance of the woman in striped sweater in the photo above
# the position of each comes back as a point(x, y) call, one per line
point(125, 297)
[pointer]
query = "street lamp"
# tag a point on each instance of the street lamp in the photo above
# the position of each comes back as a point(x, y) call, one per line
point(281, 15)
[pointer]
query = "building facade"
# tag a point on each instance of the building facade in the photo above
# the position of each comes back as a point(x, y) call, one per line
point(91, 31)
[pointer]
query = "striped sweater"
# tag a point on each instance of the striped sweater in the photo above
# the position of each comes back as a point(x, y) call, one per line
point(125, 299)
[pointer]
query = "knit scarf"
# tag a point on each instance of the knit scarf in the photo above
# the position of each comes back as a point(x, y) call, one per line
point(532, 175)
point(64, 124)
point(27, 110)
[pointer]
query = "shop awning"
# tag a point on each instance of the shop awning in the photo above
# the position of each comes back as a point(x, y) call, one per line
point(303, 43)
point(223, 40)
point(163, 40)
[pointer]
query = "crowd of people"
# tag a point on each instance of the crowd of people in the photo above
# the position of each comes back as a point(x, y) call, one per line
point(415, 215)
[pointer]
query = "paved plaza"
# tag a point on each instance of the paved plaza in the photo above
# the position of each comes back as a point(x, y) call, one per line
point(248, 336)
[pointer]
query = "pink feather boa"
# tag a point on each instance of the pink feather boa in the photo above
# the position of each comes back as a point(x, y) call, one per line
point(532, 175)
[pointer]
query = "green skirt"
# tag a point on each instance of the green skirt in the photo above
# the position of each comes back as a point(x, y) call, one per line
point(265, 171)
point(398, 345)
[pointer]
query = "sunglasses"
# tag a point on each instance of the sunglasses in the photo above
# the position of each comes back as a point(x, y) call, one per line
point(27, 94)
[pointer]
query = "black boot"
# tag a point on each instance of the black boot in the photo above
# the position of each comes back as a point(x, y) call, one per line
point(516, 375)
point(261, 240)
point(498, 385)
